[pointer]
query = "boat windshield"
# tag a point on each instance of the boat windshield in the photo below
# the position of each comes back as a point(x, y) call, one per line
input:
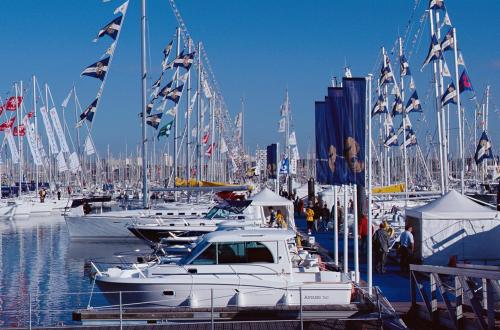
point(197, 249)
point(217, 213)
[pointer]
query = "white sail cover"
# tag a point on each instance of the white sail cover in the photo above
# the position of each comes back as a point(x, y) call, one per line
point(12, 146)
point(74, 163)
point(89, 146)
point(59, 130)
point(61, 162)
point(50, 132)
point(30, 136)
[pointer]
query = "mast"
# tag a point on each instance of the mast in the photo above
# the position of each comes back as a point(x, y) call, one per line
point(18, 113)
point(36, 132)
point(199, 158)
point(404, 125)
point(188, 126)
point(176, 123)
point(144, 105)
point(442, 112)
point(459, 113)
point(438, 113)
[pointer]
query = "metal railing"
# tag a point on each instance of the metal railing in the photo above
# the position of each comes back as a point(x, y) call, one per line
point(210, 305)
point(478, 288)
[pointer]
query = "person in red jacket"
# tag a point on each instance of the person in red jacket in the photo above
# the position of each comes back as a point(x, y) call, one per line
point(363, 233)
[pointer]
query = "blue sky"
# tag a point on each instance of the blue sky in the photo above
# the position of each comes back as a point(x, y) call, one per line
point(256, 48)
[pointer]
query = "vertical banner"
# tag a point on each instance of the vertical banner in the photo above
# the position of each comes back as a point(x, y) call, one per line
point(331, 167)
point(89, 146)
point(272, 160)
point(74, 163)
point(50, 133)
point(59, 130)
point(12, 145)
point(30, 136)
point(354, 128)
point(61, 162)
point(284, 166)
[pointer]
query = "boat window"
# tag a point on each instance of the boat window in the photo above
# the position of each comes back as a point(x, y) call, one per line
point(217, 213)
point(258, 252)
point(207, 257)
point(231, 253)
point(211, 213)
point(243, 252)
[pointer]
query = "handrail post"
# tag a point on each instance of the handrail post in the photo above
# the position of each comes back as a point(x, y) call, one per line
point(212, 308)
point(29, 301)
point(413, 288)
point(121, 311)
point(301, 316)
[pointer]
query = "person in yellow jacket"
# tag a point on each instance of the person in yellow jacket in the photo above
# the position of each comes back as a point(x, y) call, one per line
point(280, 219)
point(309, 219)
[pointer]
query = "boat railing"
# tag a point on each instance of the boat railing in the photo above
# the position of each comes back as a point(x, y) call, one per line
point(30, 310)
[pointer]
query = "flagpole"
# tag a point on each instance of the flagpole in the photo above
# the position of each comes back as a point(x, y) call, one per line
point(438, 112)
point(459, 113)
point(405, 155)
point(144, 105)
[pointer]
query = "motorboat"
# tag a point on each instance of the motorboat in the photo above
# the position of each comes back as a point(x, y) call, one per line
point(113, 224)
point(178, 228)
point(229, 268)
point(254, 212)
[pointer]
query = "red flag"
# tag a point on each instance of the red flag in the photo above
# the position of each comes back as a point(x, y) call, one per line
point(464, 83)
point(205, 139)
point(30, 114)
point(19, 130)
point(13, 104)
point(8, 124)
point(210, 149)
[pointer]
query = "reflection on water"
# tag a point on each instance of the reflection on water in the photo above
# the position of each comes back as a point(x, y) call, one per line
point(38, 259)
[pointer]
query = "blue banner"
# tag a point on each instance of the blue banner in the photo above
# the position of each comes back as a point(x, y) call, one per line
point(354, 128)
point(323, 172)
point(272, 160)
point(340, 134)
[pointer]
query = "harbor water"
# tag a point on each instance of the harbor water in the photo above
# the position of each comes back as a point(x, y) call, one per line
point(41, 265)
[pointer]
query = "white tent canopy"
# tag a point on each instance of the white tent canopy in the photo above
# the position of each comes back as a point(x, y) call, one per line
point(453, 205)
point(453, 225)
point(267, 198)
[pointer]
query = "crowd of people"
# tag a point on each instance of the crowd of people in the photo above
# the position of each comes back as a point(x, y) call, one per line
point(318, 217)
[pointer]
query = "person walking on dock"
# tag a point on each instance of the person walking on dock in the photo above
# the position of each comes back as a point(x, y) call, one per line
point(309, 218)
point(363, 233)
point(380, 247)
point(406, 248)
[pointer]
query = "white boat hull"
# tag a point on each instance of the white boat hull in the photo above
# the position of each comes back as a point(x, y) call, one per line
point(246, 292)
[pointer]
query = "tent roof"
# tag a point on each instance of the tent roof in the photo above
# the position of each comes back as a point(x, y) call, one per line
point(453, 205)
point(267, 197)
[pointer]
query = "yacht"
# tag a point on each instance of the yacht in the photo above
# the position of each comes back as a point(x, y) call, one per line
point(113, 224)
point(178, 229)
point(229, 268)
point(250, 213)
